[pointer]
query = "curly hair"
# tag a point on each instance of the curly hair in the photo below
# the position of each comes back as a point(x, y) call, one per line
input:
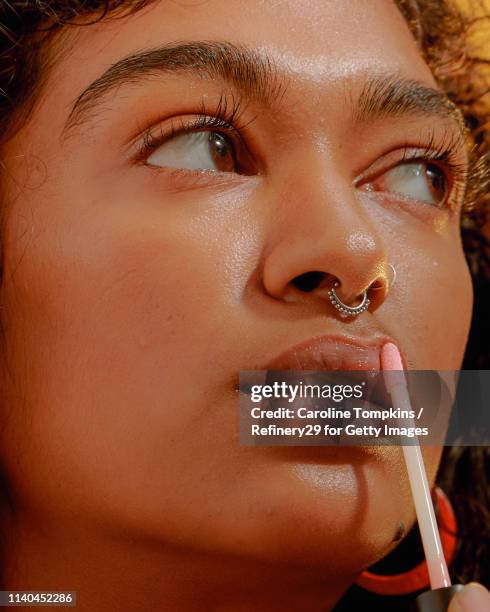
point(444, 34)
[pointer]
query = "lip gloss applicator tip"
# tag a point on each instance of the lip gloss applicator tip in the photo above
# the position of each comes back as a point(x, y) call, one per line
point(438, 598)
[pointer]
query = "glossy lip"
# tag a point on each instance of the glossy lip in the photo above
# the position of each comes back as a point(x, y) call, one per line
point(332, 353)
point(358, 360)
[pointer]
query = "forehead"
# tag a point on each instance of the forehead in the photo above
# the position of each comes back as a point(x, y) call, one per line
point(313, 41)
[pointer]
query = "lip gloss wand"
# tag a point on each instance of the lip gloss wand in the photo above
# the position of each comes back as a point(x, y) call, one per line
point(438, 598)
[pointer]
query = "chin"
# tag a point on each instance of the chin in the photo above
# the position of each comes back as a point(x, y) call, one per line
point(337, 516)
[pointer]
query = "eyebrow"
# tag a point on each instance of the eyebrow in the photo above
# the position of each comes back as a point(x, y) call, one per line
point(253, 74)
point(392, 96)
point(256, 76)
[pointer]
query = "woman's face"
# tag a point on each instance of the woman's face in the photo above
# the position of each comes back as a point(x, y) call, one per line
point(136, 286)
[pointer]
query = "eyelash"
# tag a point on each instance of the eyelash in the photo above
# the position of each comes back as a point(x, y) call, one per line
point(443, 152)
point(226, 117)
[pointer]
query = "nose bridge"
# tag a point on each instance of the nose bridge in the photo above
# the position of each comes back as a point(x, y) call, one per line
point(319, 224)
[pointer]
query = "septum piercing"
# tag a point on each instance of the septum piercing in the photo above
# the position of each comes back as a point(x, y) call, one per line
point(352, 311)
point(344, 309)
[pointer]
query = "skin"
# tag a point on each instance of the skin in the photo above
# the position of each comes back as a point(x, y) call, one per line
point(132, 298)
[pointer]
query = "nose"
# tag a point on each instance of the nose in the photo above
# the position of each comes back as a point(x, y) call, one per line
point(323, 235)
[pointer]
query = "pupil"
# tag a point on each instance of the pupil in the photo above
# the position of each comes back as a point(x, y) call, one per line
point(222, 152)
point(437, 181)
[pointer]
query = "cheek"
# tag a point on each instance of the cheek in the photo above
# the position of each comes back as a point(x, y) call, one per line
point(118, 291)
point(445, 298)
point(119, 332)
point(430, 304)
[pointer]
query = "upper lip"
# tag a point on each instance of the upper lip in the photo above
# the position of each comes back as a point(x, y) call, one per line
point(331, 353)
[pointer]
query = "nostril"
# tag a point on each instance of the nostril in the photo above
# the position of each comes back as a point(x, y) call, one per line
point(308, 281)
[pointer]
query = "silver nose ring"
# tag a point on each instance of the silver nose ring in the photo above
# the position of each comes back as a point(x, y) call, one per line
point(344, 309)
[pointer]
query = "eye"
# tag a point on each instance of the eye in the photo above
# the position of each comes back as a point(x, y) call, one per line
point(199, 150)
point(420, 180)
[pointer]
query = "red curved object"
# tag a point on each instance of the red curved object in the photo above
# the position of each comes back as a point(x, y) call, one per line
point(417, 579)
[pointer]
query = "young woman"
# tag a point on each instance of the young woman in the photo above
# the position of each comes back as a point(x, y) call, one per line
point(182, 183)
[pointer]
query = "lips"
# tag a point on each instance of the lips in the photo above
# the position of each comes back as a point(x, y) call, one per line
point(328, 361)
point(358, 360)
point(330, 353)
